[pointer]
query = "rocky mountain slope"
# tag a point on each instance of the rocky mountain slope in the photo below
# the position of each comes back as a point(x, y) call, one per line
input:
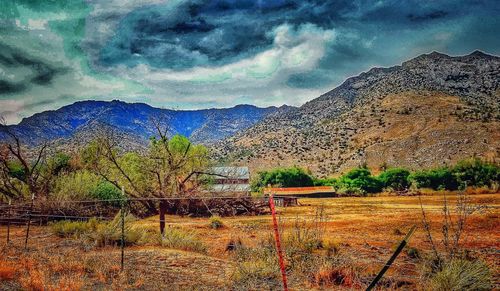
point(77, 121)
point(431, 110)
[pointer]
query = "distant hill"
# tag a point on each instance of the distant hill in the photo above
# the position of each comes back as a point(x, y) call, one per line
point(432, 110)
point(75, 123)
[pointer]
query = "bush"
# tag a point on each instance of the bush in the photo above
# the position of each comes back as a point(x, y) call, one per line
point(106, 191)
point(256, 269)
point(460, 274)
point(477, 173)
point(288, 177)
point(436, 179)
point(395, 179)
point(325, 182)
point(216, 222)
point(76, 186)
point(359, 181)
point(110, 233)
point(308, 258)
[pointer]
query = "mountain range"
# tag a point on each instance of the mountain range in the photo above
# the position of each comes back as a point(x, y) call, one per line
point(135, 120)
point(429, 111)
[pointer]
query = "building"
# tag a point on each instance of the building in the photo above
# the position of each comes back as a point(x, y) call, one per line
point(310, 192)
point(234, 181)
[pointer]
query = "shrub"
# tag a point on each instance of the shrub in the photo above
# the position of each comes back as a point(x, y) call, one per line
point(76, 186)
point(330, 274)
point(413, 253)
point(259, 273)
point(477, 173)
point(175, 238)
point(216, 222)
point(106, 191)
point(436, 179)
point(359, 181)
point(110, 233)
point(395, 179)
point(287, 177)
point(460, 274)
point(325, 182)
point(94, 233)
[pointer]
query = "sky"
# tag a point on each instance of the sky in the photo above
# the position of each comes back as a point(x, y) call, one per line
point(219, 53)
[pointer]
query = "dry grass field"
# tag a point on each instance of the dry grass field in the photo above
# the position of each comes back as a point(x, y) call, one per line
point(364, 230)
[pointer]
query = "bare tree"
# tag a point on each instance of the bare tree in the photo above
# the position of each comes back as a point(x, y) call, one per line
point(32, 173)
point(453, 224)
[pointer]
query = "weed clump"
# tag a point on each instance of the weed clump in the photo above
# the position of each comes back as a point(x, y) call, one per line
point(309, 258)
point(461, 274)
point(67, 228)
point(216, 222)
point(175, 238)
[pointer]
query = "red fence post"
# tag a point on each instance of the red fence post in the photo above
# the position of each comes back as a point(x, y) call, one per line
point(278, 242)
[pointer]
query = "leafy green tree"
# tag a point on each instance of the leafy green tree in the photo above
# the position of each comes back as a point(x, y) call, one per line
point(477, 173)
point(359, 181)
point(106, 191)
point(171, 167)
point(285, 177)
point(395, 179)
point(325, 182)
point(436, 179)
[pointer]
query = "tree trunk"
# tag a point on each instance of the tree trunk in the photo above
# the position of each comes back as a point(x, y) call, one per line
point(163, 210)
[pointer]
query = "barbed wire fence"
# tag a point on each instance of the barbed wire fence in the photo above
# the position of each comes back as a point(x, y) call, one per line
point(32, 214)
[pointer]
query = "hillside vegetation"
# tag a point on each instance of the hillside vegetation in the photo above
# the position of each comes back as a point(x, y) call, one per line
point(432, 111)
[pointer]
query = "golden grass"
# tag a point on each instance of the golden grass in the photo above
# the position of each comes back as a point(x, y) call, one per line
point(368, 229)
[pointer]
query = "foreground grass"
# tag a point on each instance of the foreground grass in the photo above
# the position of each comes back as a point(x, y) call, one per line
point(357, 237)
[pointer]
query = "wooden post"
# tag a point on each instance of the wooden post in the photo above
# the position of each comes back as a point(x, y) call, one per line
point(278, 242)
point(122, 241)
point(163, 211)
point(401, 246)
point(29, 221)
point(8, 221)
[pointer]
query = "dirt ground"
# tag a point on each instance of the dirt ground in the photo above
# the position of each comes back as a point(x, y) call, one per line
point(368, 229)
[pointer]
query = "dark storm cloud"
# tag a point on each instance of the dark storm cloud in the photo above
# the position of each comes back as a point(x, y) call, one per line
point(428, 16)
point(218, 32)
point(7, 87)
point(208, 33)
point(39, 72)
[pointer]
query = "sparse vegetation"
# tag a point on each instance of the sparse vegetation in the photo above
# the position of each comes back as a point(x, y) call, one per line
point(216, 222)
point(461, 274)
point(182, 240)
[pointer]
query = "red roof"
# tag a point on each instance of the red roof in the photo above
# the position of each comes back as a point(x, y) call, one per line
point(299, 190)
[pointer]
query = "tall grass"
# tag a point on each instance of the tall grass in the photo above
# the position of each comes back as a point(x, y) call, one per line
point(309, 258)
point(460, 274)
point(175, 238)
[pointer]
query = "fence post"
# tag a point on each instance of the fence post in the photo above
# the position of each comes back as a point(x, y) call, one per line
point(122, 241)
point(278, 242)
point(29, 221)
point(8, 221)
point(401, 246)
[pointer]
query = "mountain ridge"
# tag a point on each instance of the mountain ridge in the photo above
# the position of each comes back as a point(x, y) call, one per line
point(324, 133)
point(135, 119)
